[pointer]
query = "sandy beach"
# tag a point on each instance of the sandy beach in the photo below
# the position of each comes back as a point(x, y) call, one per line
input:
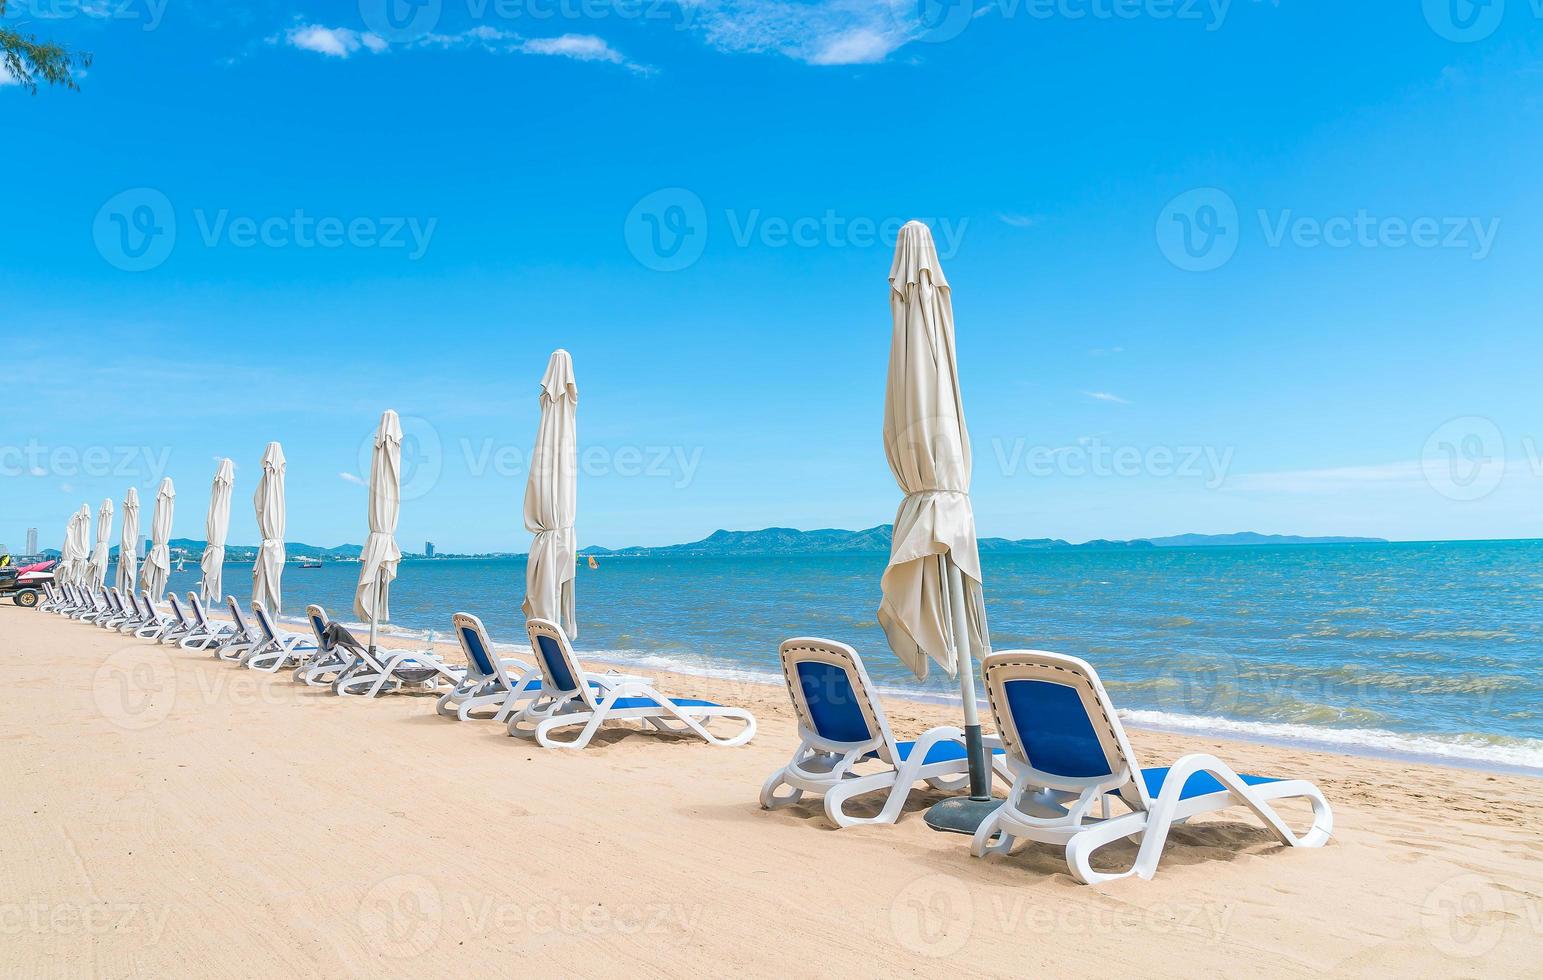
point(169, 814)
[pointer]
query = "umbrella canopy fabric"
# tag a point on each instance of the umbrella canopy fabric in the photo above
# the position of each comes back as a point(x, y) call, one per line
point(551, 500)
point(216, 526)
point(128, 545)
point(379, 560)
point(96, 570)
point(82, 545)
point(72, 557)
point(154, 574)
point(928, 448)
point(269, 504)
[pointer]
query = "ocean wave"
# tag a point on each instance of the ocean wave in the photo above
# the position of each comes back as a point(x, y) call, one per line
point(1471, 750)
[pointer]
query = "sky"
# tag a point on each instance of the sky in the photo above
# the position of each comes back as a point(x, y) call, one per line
point(1215, 266)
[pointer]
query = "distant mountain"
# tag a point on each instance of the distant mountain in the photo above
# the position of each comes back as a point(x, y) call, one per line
point(831, 541)
point(1251, 539)
point(246, 552)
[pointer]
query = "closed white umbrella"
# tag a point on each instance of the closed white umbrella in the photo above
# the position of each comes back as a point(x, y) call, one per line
point(551, 500)
point(96, 571)
point(80, 546)
point(933, 607)
point(128, 545)
point(378, 561)
point(215, 528)
point(71, 559)
point(157, 568)
point(269, 504)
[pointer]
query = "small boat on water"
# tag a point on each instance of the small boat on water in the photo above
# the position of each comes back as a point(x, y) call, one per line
point(305, 561)
point(593, 563)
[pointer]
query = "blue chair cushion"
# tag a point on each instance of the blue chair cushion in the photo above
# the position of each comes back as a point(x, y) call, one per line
point(833, 704)
point(622, 703)
point(1199, 784)
point(479, 656)
point(947, 751)
point(554, 665)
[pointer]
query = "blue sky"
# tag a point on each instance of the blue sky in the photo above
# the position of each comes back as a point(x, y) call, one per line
point(1216, 266)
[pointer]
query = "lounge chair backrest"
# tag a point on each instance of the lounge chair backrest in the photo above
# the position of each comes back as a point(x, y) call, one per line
point(148, 604)
point(560, 670)
point(197, 605)
point(317, 617)
point(263, 622)
point(235, 614)
point(176, 609)
point(481, 662)
point(1057, 720)
point(833, 697)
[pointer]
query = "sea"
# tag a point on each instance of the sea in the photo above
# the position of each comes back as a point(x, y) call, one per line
point(1418, 651)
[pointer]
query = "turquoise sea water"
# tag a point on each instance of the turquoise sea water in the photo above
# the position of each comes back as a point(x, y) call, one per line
point(1421, 650)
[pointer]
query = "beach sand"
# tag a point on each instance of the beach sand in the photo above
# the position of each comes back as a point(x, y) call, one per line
point(167, 814)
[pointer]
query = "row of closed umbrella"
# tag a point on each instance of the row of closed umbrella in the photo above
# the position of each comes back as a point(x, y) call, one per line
point(932, 609)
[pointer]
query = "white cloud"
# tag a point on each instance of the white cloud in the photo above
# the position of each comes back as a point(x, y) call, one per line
point(1104, 396)
point(334, 42)
point(6, 78)
point(584, 47)
point(827, 32)
point(353, 478)
point(340, 42)
point(1017, 220)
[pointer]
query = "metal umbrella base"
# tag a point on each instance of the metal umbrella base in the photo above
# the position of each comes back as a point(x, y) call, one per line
point(960, 814)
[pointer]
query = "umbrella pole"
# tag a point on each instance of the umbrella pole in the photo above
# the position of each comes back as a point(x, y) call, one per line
point(964, 661)
point(958, 814)
point(374, 614)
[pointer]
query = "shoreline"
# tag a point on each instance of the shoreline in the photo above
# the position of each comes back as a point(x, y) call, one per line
point(1378, 744)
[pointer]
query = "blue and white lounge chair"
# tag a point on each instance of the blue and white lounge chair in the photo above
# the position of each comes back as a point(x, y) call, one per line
point(1062, 735)
point(242, 638)
point(841, 727)
point(570, 696)
point(383, 671)
point(153, 623)
point(276, 649)
point(181, 623)
point(330, 661)
point(491, 681)
point(205, 632)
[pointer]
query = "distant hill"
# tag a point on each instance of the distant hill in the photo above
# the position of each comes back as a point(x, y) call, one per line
point(246, 552)
point(830, 541)
point(875, 540)
point(1251, 539)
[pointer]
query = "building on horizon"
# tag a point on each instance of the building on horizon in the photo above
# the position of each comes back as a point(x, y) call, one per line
point(32, 540)
point(428, 549)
